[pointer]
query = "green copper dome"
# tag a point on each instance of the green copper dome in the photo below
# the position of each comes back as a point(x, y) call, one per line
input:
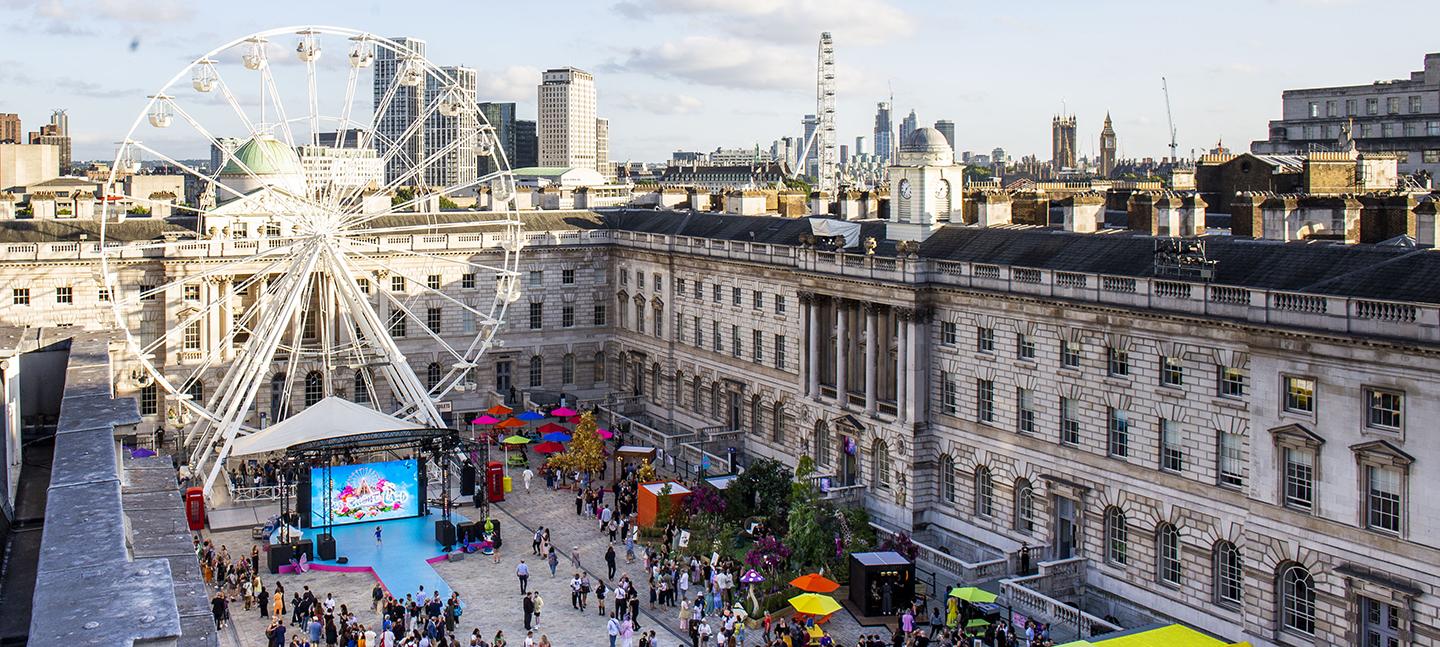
point(263, 155)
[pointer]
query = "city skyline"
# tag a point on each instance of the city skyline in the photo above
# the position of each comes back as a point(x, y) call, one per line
point(660, 73)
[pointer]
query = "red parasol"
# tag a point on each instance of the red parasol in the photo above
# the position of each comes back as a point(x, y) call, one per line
point(550, 427)
point(549, 448)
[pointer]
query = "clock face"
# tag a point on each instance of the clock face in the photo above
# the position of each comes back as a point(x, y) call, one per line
point(905, 189)
point(944, 190)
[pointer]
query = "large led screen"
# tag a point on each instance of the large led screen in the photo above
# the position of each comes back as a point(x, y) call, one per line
point(366, 492)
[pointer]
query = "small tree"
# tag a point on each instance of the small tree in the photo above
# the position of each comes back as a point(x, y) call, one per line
point(763, 490)
point(586, 452)
point(646, 473)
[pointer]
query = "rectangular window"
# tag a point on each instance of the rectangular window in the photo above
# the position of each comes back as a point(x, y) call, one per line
point(192, 293)
point(537, 278)
point(147, 293)
point(656, 281)
point(364, 285)
point(779, 304)
point(467, 322)
point(1172, 371)
point(1232, 460)
point(1372, 106)
point(1432, 129)
point(1232, 382)
point(537, 372)
point(1386, 408)
point(599, 316)
point(1069, 354)
point(679, 327)
point(149, 401)
point(639, 318)
point(432, 319)
point(624, 276)
point(949, 403)
point(1387, 129)
point(658, 318)
point(1383, 498)
point(467, 281)
point(1299, 478)
point(397, 323)
point(735, 340)
point(1415, 104)
point(699, 334)
point(1117, 362)
point(537, 316)
point(1412, 128)
point(433, 281)
point(680, 286)
point(948, 335)
point(985, 339)
point(191, 339)
point(1299, 394)
point(735, 296)
point(1392, 105)
point(1431, 156)
point(1119, 426)
point(567, 276)
point(1024, 346)
point(64, 294)
point(1332, 109)
point(1350, 108)
point(985, 400)
point(397, 284)
point(758, 300)
point(640, 279)
point(699, 289)
point(757, 345)
point(780, 352)
point(103, 295)
point(715, 335)
point(715, 294)
point(1069, 421)
point(567, 316)
point(1025, 410)
point(1172, 451)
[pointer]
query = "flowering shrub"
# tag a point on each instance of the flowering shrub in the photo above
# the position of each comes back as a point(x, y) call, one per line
point(900, 542)
point(704, 500)
point(768, 554)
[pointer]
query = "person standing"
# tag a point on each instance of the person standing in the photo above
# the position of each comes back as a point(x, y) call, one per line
point(523, 573)
point(219, 608)
point(539, 605)
point(527, 605)
point(575, 591)
point(613, 629)
point(377, 537)
point(610, 560)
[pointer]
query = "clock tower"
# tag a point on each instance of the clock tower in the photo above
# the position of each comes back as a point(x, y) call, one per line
point(925, 187)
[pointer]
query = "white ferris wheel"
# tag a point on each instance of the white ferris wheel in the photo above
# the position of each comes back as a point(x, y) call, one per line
point(308, 256)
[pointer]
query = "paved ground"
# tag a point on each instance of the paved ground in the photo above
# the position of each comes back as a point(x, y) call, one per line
point(491, 591)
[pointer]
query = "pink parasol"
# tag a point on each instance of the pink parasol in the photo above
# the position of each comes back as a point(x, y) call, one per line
point(486, 419)
point(604, 433)
point(562, 412)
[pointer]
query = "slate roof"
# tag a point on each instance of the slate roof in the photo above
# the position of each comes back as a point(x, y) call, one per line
point(769, 230)
point(50, 231)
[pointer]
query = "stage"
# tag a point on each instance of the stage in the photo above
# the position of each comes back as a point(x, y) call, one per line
point(401, 563)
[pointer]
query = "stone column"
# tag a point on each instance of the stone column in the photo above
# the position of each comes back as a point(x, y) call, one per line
point(812, 361)
point(872, 321)
point(842, 352)
point(902, 361)
point(227, 318)
point(210, 324)
point(915, 341)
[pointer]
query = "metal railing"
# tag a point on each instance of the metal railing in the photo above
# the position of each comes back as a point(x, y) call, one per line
point(1032, 596)
point(252, 493)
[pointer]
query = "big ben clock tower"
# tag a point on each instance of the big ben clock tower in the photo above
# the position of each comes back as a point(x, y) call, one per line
point(925, 186)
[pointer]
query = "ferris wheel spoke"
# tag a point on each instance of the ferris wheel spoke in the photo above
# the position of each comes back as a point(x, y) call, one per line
point(273, 93)
point(191, 170)
point(357, 246)
point(152, 202)
point(227, 268)
point(484, 317)
point(351, 82)
point(227, 152)
point(399, 209)
point(417, 171)
point(231, 101)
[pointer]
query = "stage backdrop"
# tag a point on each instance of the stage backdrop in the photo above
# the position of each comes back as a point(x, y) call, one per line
point(366, 492)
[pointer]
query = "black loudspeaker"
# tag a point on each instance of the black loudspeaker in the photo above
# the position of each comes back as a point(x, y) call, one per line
point(424, 484)
point(444, 533)
point(325, 546)
point(279, 555)
point(469, 531)
point(467, 479)
point(343, 560)
point(302, 497)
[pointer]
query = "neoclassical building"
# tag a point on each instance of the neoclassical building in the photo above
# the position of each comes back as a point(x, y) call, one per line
point(1245, 453)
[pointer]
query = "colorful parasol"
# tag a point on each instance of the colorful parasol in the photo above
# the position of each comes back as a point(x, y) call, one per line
point(752, 577)
point(972, 594)
point(604, 433)
point(511, 423)
point(814, 583)
point(516, 440)
point(530, 416)
point(556, 437)
point(549, 448)
point(486, 419)
point(551, 427)
point(814, 604)
point(499, 410)
point(562, 412)
point(574, 420)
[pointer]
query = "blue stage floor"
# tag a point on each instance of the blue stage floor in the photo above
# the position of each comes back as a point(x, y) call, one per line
point(400, 561)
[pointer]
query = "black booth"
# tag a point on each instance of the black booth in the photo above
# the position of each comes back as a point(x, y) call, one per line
point(881, 584)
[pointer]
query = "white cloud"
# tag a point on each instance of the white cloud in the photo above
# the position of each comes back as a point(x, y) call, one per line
point(145, 11)
point(661, 104)
point(858, 21)
point(513, 83)
point(723, 62)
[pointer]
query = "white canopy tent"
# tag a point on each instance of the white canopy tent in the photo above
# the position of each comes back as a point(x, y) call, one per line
point(830, 228)
point(332, 417)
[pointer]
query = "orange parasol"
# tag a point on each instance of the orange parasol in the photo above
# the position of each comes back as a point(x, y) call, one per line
point(814, 583)
point(511, 423)
point(499, 410)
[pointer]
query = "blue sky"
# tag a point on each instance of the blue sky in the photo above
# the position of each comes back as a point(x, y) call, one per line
point(697, 74)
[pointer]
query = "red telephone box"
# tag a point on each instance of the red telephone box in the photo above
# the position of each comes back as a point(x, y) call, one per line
point(495, 481)
point(195, 508)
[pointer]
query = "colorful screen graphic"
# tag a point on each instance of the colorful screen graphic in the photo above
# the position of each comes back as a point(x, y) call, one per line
point(365, 492)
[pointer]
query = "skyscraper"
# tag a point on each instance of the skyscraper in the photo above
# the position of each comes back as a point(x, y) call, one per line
point(501, 117)
point(527, 145)
point(947, 128)
point(10, 127)
point(56, 133)
point(859, 145)
point(566, 125)
point(884, 145)
point(395, 78)
point(220, 148)
point(907, 126)
point(844, 153)
point(811, 166)
point(1062, 142)
point(450, 142)
point(602, 147)
point(1107, 148)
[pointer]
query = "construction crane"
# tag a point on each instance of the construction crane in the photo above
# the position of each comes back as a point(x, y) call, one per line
point(1174, 150)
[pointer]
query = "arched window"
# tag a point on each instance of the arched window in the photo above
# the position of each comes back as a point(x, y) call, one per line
point(277, 393)
point(695, 404)
point(757, 416)
point(984, 492)
point(947, 478)
point(1024, 506)
point(567, 369)
point(1229, 574)
point(715, 399)
point(777, 422)
point(432, 375)
point(361, 388)
point(1167, 554)
point(821, 444)
point(314, 387)
point(880, 453)
point(655, 382)
point(196, 391)
point(1297, 598)
point(600, 366)
point(1117, 536)
point(537, 371)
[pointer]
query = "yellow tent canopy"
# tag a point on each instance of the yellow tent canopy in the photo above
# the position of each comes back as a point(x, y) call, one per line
point(1168, 636)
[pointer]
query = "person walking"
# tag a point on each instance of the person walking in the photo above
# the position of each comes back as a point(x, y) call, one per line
point(535, 543)
point(610, 560)
point(527, 475)
point(575, 591)
point(523, 573)
point(553, 560)
point(220, 608)
point(575, 556)
point(527, 605)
